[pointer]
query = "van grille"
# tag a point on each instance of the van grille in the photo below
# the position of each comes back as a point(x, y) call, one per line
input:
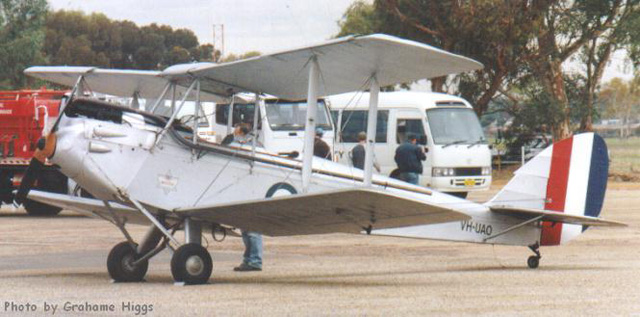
point(468, 171)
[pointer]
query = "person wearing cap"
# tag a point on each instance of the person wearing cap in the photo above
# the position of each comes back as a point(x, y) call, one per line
point(409, 157)
point(358, 153)
point(320, 147)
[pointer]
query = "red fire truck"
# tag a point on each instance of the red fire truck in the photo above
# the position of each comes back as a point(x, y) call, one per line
point(23, 116)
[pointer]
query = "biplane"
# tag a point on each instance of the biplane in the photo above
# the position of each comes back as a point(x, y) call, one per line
point(149, 169)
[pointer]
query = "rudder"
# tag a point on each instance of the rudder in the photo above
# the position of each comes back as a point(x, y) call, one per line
point(569, 176)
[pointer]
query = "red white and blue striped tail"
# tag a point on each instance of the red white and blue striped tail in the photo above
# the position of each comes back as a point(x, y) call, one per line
point(568, 177)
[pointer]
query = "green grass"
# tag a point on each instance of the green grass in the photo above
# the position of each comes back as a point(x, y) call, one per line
point(624, 155)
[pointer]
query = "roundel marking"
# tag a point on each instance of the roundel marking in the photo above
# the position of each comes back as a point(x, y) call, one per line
point(281, 189)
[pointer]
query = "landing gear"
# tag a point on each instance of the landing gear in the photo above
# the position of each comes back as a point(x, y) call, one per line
point(191, 264)
point(123, 265)
point(534, 260)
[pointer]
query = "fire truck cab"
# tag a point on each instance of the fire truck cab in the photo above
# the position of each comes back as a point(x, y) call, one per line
point(24, 114)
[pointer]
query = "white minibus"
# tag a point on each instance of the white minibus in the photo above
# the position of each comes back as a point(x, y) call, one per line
point(458, 155)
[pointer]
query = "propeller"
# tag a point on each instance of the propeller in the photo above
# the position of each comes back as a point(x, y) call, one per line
point(45, 148)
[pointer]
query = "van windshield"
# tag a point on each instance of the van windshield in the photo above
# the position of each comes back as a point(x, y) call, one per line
point(455, 126)
point(287, 115)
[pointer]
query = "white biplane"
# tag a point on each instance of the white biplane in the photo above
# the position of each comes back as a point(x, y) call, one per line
point(147, 169)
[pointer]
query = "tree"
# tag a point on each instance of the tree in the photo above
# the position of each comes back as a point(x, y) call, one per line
point(233, 57)
point(492, 32)
point(621, 100)
point(515, 40)
point(75, 38)
point(21, 39)
point(563, 29)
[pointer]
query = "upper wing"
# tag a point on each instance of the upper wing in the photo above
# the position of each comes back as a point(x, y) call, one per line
point(117, 82)
point(345, 65)
point(349, 210)
point(555, 216)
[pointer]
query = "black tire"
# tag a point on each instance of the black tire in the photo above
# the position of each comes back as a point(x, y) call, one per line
point(191, 263)
point(6, 187)
point(50, 181)
point(120, 267)
point(462, 195)
point(533, 262)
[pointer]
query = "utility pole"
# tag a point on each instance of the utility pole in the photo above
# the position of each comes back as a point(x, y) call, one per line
point(218, 40)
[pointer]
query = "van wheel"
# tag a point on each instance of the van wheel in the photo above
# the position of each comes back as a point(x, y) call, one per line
point(462, 195)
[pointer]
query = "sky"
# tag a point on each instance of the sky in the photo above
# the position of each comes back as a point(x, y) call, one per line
point(251, 25)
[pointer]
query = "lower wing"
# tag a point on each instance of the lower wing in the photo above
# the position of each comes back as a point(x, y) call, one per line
point(347, 210)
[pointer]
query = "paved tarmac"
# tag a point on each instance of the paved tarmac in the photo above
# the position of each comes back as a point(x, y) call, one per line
point(61, 261)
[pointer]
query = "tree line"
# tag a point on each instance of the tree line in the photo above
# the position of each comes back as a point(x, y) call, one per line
point(524, 45)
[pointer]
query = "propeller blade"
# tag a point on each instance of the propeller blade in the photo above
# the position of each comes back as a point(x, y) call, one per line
point(46, 148)
point(29, 178)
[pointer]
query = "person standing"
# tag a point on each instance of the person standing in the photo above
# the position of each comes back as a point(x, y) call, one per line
point(320, 147)
point(358, 153)
point(252, 257)
point(409, 157)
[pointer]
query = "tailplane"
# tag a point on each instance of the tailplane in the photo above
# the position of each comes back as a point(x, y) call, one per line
point(569, 177)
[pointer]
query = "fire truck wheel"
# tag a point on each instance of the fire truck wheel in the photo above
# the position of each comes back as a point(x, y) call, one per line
point(49, 181)
point(6, 186)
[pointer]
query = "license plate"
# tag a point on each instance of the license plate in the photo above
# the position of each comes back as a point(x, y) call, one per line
point(469, 182)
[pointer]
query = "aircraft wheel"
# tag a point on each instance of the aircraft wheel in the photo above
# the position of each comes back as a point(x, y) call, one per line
point(533, 262)
point(191, 264)
point(120, 264)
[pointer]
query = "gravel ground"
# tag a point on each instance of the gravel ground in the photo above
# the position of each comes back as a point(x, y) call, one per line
point(61, 261)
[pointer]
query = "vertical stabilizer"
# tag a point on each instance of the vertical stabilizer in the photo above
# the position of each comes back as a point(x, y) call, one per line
point(569, 176)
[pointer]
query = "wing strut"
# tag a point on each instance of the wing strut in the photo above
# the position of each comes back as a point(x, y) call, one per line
point(175, 112)
point(162, 96)
point(310, 127)
point(372, 121)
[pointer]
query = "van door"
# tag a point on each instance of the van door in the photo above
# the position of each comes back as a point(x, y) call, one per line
point(412, 121)
point(353, 122)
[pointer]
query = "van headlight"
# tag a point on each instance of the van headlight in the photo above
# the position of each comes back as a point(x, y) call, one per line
point(486, 171)
point(443, 171)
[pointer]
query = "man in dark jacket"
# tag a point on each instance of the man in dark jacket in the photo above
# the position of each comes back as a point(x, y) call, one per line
point(320, 147)
point(409, 158)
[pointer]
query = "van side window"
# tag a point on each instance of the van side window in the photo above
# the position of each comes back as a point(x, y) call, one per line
point(355, 121)
point(413, 126)
point(334, 117)
point(242, 113)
